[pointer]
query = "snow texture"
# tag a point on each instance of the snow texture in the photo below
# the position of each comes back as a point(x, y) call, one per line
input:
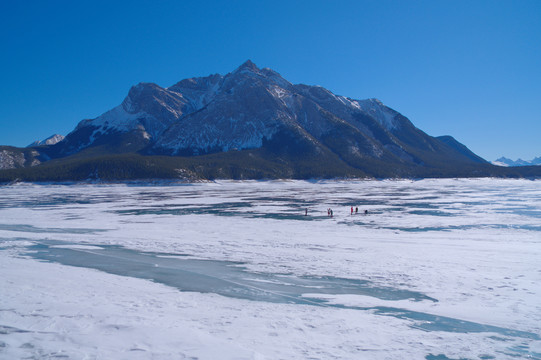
point(471, 245)
point(10, 159)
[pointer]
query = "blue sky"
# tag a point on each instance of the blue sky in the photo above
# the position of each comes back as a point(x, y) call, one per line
point(470, 69)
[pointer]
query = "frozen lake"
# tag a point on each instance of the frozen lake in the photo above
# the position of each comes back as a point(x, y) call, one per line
point(436, 269)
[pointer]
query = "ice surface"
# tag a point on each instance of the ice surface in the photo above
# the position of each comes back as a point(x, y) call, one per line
point(472, 245)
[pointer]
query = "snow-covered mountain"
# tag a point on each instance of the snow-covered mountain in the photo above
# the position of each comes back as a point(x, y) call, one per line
point(249, 108)
point(51, 140)
point(503, 161)
point(12, 157)
point(251, 123)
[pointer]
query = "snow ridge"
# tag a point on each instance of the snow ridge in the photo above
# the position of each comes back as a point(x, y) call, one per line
point(51, 140)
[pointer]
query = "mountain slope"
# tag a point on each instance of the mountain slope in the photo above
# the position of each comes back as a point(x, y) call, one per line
point(13, 157)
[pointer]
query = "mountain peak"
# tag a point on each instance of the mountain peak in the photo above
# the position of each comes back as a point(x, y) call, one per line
point(51, 140)
point(248, 65)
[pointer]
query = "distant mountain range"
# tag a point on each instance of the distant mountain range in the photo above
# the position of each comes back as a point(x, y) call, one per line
point(503, 161)
point(248, 124)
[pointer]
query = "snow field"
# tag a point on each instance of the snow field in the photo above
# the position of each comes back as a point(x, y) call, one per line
point(470, 244)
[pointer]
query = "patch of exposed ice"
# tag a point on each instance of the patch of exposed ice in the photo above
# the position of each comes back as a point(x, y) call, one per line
point(78, 247)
